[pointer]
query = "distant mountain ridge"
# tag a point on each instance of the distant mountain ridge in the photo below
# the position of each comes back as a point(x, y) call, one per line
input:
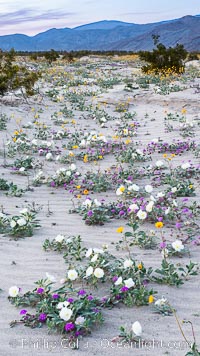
point(110, 35)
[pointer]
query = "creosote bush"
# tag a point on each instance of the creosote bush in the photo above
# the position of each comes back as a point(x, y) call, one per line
point(163, 59)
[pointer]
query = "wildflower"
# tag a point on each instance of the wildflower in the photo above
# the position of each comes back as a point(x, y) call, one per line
point(85, 158)
point(148, 188)
point(118, 281)
point(124, 289)
point(98, 273)
point(137, 328)
point(128, 263)
point(72, 274)
point(21, 222)
point(85, 192)
point(159, 163)
point(120, 190)
point(13, 291)
point(49, 156)
point(159, 224)
point(13, 223)
point(81, 292)
point(50, 277)
point(65, 313)
point(89, 271)
point(129, 283)
point(178, 245)
point(185, 165)
point(23, 311)
point(59, 238)
point(80, 320)
point(140, 266)
point(141, 214)
point(151, 299)
point(120, 229)
point(69, 326)
point(42, 317)
point(40, 290)
point(160, 301)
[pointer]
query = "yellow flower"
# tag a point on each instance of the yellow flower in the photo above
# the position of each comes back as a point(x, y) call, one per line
point(140, 266)
point(78, 187)
point(159, 224)
point(120, 229)
point(151, 299)
point(71, 154)
point(127, 141)
point(85, 159)
point(73, 122)
point(85, 192)
point(16, 133)
point(100, 157)
point(183, 111)
point(75, 147)
point(122, 189)
point(190, 186)
point(78, 196)
point(165, 155)
point(14, 139)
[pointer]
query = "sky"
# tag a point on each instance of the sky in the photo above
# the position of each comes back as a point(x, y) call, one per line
point(32, 17)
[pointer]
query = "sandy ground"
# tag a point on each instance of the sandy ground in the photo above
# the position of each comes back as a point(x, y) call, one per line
point(23, 262)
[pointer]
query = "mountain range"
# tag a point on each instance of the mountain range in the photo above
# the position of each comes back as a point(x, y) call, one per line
point(110, 35)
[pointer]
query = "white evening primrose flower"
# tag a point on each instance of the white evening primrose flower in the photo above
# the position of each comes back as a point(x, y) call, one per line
point(21, 222)
point(165, 253)
point(185, 165)
point(65, 313)
point(88, 252)
point(50, 277)
point(141, 214)
point(134, 187)
point(148, 188)
point(98, 250)
point(72, 275)
point(98, 272)
point(128, 263)
point(89, 271)
point(22, 169)
point(49, 156)
point(118, 281)
point(129, 283)
point(62, 305)
point(120, 190)
point(13, 291)
point(133, 207)
point(167, 211)
point(13, 223)
point(68, 173)
point(137, 328)
point(94, 258)
point(174, 190)
point(80, 320)
point(178, 245)
point(73, 167)
point(97, 202)
point(87, 203)
point(24, 211)
point(59, 238)
point(160, 302)
point(149, 206)
point(160, 195)
point(159, 163)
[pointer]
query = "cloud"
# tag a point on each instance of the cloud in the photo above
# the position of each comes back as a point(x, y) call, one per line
point(30, 15)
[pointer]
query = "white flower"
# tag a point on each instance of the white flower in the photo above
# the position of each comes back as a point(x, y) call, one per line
point(118, 281)
point(164, 253)
point(62, 281)
point(134, 187)
point(133, 208)
point(160, 195)
point(89, 252)
point(155, 140)
point(59, 238)
point(148, 188)
point(98, 272)
point(34, 142)
point(98, 250)
point(22, 169)
point(141, 214)
point(13, 291)
point(89, 271)
point(167, 211)
point(149, 206)
point(178, 245)
point(159, 163)
point(62, 305)
point(73, 167)
point(24, 211)
point(80, 320)
point(13, 223)
point(65, 314)
point(94, 258)
point(161, 301)
point(175, 203)
point(120, 190)
point(129, 283)
point(68, 173)
point(185, 165)
point(72, 274)
point(97, 203)
point(50, 277)
point(174, 190)
point(57, 158)
point(137, 328)
point(21, 222)
point(87, 203)
point(49, 156)
point(139, 152)
point(128, 263)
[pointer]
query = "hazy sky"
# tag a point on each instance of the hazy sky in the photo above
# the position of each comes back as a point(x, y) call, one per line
point(31, 17)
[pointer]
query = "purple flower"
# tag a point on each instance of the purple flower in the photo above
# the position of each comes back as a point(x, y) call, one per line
point(121, 213)
point(160, 218)
point(178, 225)
point(90, 213)
point(55, 296)
point(77, 333)
point(40, 290)
point(163, 244)
point(52, 184)
point(90, 297)
point(42, 317)
point(82, 292)
point(70, 300)
point(115, 278)
point(124, 289)
point(23, 311)
point(118, 297)
point(69, 326)
point(95, 310)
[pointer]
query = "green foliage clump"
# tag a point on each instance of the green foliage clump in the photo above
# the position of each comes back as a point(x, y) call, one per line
point(14, 76)
point(164, 60)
